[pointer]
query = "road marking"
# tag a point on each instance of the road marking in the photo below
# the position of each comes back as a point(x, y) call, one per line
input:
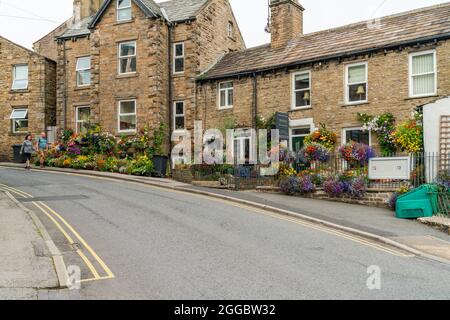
point(311, 225)
point(46, 209)
point(71, 242)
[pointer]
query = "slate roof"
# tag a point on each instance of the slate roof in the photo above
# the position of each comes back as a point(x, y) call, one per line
point(425, 24)
point(78, 29)
point(181, 10)
point(176, 10)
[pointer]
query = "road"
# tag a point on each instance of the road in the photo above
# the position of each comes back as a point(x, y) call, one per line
point(139, 242)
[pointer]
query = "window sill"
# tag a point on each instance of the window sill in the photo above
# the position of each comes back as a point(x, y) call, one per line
point(127, 133)
point(17, 134)
point(225, 108)
point(83, 88)
point(19, 91)
point(300, 109)
point(423, 97)
point(128, 75)
point(178, 75)
point(356, 104)
point(118, 23)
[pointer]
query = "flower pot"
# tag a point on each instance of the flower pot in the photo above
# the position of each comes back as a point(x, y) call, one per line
point(160, 165)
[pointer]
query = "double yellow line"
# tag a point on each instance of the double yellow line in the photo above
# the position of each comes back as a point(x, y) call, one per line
point(61, 224)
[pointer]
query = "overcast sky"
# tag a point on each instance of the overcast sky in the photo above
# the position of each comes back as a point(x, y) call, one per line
point(25, 21)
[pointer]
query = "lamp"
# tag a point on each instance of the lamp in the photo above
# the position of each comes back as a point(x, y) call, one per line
point(361, 90)
point(307, 96)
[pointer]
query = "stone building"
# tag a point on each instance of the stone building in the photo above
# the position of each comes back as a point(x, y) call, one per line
point(27, 95)
point(394, 64)
point(127, 64)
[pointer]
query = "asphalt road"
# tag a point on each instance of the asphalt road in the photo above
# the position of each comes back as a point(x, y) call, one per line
point(160, 244)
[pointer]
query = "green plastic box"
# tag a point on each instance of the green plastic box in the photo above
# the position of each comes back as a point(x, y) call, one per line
point(415, 204)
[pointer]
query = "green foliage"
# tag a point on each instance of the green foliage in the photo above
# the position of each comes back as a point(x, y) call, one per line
point(322, 136)
point(409, 136)
point(159, 137)
point(142, 166)
point(384, 126)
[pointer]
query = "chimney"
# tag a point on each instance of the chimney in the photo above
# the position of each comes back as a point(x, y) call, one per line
point(286, 21)
point(85, 8)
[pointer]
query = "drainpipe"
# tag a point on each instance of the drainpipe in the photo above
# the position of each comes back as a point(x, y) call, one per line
point(65, 87)
point(170, 98)
point(255, 100)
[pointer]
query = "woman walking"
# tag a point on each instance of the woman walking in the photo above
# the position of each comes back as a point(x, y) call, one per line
point(27, 150)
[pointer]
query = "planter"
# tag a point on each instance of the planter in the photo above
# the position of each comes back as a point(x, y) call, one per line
point(160, 166)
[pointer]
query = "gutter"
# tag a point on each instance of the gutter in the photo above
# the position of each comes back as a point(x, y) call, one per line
point(341, 56)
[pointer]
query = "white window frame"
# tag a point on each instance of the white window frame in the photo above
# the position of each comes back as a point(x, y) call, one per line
point(80, 70)
point(77, 120)
point(347, 84)
point(294, 97)
point(246, 134)
point(122, 9)
point(119, 115)
point(230, 29)
point(175, 57)
point(12, 118)
point(175, 116)
point(344, 134)
point(227, 102)
point(14, 77)
point(126, 57)
point(411, 83)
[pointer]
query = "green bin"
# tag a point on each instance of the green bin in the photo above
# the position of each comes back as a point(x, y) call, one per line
point(415, 204)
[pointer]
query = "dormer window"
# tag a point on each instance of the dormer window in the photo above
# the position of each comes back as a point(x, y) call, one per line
point(123, 10)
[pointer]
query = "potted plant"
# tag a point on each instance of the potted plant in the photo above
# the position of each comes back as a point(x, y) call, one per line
point(160, 159)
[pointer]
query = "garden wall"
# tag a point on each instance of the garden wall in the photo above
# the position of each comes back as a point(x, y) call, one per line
point(182, 175)
point(372, 198)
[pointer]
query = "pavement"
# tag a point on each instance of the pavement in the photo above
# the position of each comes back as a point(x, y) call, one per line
point(160, 243)
point(26, 265)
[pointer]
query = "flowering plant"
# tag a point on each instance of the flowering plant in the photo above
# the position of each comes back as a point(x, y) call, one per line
point(384, 126)
point(357, 153)
point(322, 136)
point(290, 185)
point(409, 136)
point(314, 152)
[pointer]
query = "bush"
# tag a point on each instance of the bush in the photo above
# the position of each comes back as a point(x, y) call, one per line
point(306, 184)
point(357, 187)
point(142, 166)
point(443, 180)
point(334, 187)
point(290, 185)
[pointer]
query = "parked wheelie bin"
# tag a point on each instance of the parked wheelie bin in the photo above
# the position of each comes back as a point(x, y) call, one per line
point(415, 204)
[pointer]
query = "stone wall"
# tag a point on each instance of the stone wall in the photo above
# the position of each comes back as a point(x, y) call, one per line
point(388, 91)
point(373, 198)
point(38, 97)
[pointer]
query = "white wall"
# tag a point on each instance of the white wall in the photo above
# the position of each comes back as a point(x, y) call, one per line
point(431, 122)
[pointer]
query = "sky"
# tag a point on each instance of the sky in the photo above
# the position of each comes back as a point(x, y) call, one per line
point(25, 21)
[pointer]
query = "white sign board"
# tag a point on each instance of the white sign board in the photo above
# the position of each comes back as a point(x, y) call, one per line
point(398, 168)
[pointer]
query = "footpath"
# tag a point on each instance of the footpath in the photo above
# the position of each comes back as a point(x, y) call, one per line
point(26, 264)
